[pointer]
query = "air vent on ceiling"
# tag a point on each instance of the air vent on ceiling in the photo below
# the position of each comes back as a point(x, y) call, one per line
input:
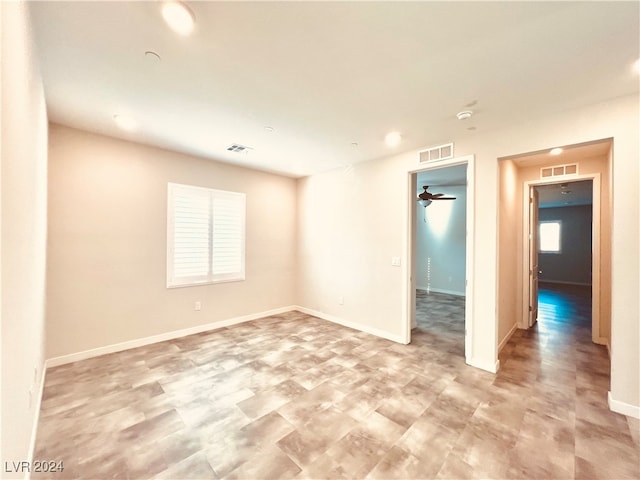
point(559, 170)
point(441, 152)
point(239, 148)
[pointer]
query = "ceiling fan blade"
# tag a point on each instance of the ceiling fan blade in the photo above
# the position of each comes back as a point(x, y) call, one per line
point(428, 196)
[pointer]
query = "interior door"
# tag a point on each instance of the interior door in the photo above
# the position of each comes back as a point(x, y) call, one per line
point(533, 255)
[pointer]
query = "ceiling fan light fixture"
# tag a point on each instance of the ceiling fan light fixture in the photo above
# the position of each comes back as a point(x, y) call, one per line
point(179, 17)
point(425, 198)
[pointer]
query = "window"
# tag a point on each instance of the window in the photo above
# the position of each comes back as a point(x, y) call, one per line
point(205, 235)
point(550, 237)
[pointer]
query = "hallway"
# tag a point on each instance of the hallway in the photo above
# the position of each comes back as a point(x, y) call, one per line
point(564, 379)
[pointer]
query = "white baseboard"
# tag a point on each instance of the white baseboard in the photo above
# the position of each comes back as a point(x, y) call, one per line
point(441, 290)
point(507, 337)
point(356, 326)
point(483, 365)
point(561, 282)
point(623, 407)
point(36, 419)
point(140, 342)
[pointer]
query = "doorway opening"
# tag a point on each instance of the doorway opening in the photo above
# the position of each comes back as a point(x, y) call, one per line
point(562, 246)
point(564, 264)
point(584, 169)
point(439, 257)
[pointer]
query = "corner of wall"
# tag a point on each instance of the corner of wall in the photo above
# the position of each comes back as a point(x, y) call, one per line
point(23, 181)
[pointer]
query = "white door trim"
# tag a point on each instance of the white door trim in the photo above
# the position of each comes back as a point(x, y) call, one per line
point(595, 255)
point(408, 311)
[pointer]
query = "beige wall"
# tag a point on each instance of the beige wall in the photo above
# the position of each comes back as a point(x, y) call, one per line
point(346, 246)
point(23, 223)
point(509, 250)
point(107, 243)
point(350, 225)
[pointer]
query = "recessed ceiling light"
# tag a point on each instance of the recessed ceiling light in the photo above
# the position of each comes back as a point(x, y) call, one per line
point(268, 129)
point(354, 144)
point(125, 122)
point(179, 17)
point(393, 139)
point(464, 114)
point(556, 151)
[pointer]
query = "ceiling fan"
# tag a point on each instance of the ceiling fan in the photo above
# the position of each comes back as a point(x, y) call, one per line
point(425, 198)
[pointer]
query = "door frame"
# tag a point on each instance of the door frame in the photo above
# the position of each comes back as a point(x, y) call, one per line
point(533, 267)
point(409, 287)
point(595, 248)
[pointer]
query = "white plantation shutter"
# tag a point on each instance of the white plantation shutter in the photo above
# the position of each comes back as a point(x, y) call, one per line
point(228, 233)
point(205, 237)
point(191, 231)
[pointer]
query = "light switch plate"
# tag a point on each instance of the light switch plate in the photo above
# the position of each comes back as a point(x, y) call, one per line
point(395, 261)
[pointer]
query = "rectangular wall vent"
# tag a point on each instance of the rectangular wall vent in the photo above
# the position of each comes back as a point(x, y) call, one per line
point(239, 148)
point(441, 152)
point(559, 170)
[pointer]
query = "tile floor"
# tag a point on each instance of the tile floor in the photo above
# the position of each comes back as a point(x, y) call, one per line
point(292, 396)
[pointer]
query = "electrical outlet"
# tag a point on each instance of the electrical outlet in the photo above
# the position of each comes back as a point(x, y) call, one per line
point(341, 300)
point(197, 306)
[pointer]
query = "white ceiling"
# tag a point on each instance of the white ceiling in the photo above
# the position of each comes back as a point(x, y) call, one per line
point(326, 74)
point(569, 154)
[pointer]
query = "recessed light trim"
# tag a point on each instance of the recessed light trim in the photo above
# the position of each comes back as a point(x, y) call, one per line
point(179, 17)
point(125, 122)
point(556, 151)
point(393, 139)
point(152, 56)
point(464, 114)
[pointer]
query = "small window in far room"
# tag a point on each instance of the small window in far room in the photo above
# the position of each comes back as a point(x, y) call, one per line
point(550, 237)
